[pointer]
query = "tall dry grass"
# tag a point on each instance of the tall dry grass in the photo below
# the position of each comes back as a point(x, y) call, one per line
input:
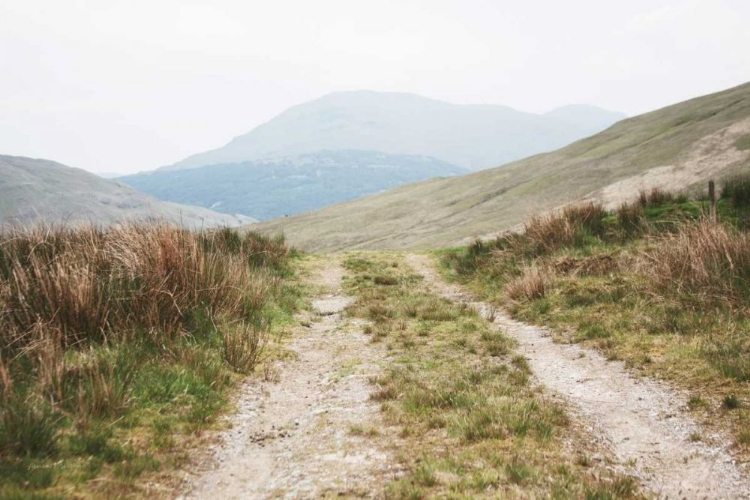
point(86, 312)
point(655, 265)
point(92, 284)
point(530, 285)
point(631, 219)
point(702, 260)
point(567, 227)
point(655, 197)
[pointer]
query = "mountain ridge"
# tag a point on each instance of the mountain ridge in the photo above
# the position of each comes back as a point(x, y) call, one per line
point(470, 135)
point(673, 148)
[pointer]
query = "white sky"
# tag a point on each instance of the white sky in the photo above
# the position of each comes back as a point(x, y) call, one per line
point(132, 85)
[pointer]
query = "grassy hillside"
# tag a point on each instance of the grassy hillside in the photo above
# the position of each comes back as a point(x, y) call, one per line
point(275, 188)
point(119, 346)
point(674, 147)
point(654, 283)
point(34, 190)
point(470, 136)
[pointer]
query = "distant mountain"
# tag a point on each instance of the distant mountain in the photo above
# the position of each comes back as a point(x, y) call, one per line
point(274, 188)
point(674, 148)
point(470, 136)
point(592, 117)
point(109, 175)
point(34, 190)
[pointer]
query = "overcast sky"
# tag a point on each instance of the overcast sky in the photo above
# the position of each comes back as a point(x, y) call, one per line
point(132, 85)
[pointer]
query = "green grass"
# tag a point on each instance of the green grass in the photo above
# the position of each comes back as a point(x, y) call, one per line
point(101, 392)
point(471, 422)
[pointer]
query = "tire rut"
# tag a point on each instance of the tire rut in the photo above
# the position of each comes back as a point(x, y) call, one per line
point(292, 438)
point(639, 421)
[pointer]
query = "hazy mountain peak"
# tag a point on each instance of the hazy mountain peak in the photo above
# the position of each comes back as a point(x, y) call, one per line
point(471, 136)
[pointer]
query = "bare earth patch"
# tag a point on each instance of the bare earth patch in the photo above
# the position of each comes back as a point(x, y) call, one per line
point(640, 422)
point(705, 159)
point(302, 436)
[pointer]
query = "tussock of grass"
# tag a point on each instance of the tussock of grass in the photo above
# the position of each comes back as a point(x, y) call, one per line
point(475, 427)
point(530, 285)
point(571, 226)
point(705, 261)
point(243, 344)
point(631, 218)
point(656, 197)
point(112, 341)
point(95, 285)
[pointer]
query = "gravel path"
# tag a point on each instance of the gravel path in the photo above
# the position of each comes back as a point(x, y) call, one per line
point(640, 421)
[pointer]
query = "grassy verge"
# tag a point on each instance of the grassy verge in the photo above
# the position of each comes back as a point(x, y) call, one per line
point(473, 423)
point(119, 347)
point(653, 283)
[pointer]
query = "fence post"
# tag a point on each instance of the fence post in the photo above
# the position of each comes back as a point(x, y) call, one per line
point(712, 200)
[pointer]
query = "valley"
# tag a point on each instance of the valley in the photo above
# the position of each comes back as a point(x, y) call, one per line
point(375, 250)
point(396, 325)
point(277, 188)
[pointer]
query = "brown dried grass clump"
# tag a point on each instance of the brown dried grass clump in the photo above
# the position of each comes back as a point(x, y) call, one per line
point(631, 218)
point(243, 345)
point(703, 260)
point(91, 284)
point(531, 285)
point(566, 227)
point(6, 382)
point(655, 197)
point(594, 265)
point(549, 232)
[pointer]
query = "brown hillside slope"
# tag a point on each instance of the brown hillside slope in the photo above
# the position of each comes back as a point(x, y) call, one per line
point(673, 147)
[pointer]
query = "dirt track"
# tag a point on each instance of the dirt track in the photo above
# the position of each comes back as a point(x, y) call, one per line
point(294, 438)
point(639, 421)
